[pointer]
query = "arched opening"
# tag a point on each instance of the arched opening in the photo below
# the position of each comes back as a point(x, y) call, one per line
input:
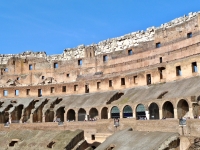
point(60, 114)
point(153, 111)
point(93, 113)
point(82, 115)
point(115, 113)
point(104, 113)
point(4, 117)
point(5, 114)
point(140, 112)
point(27, 111)
point(127, 112)
point(49, 116)
point(38, 113)
point(16, 114)
point(71, 115)
point(168, 110)
point(182, 108)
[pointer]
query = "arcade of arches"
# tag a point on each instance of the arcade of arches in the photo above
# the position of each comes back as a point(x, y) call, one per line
point(153, 111)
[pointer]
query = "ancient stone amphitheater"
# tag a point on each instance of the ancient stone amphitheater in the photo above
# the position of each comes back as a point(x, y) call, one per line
point(148, 79)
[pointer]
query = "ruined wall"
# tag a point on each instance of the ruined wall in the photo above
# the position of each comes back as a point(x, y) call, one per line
point(109, 60)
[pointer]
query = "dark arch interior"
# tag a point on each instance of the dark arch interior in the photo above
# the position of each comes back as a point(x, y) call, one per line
point(38, 113)
point(93, 113)
point(127, 112)
point(140, 112)
point(104, 113)
point(16, 114)
point(115, 113)
point(182, 108)
point(81, 114)
point(168, 110)
point(60, 114)
point(71, 115)
point(153, 111)
point(49, 116)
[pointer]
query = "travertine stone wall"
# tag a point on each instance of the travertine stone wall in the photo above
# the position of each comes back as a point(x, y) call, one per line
point(176, 50)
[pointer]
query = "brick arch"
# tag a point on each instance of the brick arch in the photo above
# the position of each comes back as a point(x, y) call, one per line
point(178, 100)
point(158, 103)
point(168, 109)
point(81, 114)
point(60, 113)
point(127, 111)
point(153, 111)
point(93, 112)
point(140, 111)
point(16, 114)
point(49, 115)
point(114, 112)
point(104, 112)
point(71, 115)
point(182, 108)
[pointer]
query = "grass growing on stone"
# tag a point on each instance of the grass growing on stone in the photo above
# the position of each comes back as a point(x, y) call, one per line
point(124, 101)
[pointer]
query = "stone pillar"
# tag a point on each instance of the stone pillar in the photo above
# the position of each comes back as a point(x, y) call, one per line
point(31, 118)
point(22, 116)
point(55, 116)
point(43, 117)
point(190, 113)
point(109, 115)
point(147, 114)
point(175, 113)
point(134, 114)
point(10, 118)
point(65, 116)
point(121, 114)
point(160, 114)
point(76, 114)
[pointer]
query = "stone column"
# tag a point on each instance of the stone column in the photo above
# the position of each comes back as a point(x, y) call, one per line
point(147, 114)
point(43, 118)
point(160, 114)
point(134, 114)
point(65, 116)
point(31, 118)
point(109, 115)
point(10, 118)
point(175, 113)
point(76, 114)
point(190, 113)
point(121, 114)
point(55, 116)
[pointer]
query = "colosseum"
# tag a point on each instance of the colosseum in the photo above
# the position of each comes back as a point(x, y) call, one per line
point(137, 91)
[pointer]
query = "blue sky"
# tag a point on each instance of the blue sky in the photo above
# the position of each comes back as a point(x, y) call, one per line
point(53, 25)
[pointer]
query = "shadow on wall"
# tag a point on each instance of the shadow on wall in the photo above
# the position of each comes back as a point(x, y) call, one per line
point(115, 97)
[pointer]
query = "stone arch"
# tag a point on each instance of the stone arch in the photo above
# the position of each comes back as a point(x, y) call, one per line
point(93, 113)
point(127, 111)
point(4, 116)
point(115, 113)
point(104, 113)
point(182, 108)
point(71, 115)
point(17, 114)
point(140, 112)
point(153, 111)
point(27, 111)
point(168, 110)
point(81, 114)
point(49, 116)
point(60, 114)
point(38, 112)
